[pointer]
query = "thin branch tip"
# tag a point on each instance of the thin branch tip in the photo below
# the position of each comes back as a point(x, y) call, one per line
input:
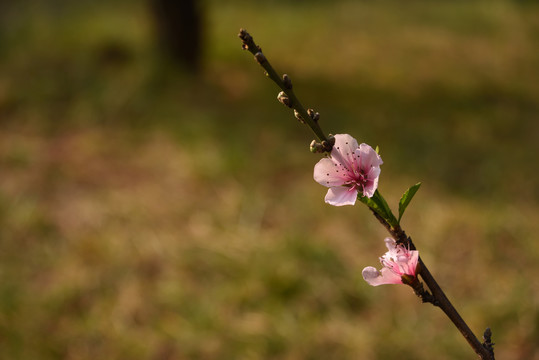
point(248, 42)
point(487, 342)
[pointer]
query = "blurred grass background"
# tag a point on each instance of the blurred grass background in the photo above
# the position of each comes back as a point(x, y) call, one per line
point(146, 213)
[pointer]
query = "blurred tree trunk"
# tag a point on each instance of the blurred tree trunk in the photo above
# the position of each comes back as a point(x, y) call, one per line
point(179, 30)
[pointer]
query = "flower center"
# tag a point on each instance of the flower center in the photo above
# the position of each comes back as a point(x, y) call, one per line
point(358, 179)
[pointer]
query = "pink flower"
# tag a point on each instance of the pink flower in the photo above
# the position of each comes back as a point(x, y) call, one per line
point(349, 169)
point(397, 263)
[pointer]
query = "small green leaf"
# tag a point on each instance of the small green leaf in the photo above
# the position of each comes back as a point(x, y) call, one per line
point(406, 198)
point(379, 205)
point(377, 150)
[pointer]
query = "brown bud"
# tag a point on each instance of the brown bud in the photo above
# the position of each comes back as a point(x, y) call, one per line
point(331, 139)
point(245, 37)
point(314, 115)
point(287, 82)
point(260, 58)
point(298, 116)
point(312, 147)
point(316, 147)
point(327, 145)
point(243, 34)
point(283, 99)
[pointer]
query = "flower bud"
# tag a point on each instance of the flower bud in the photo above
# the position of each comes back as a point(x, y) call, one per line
point(283, 99)
point(331, 140)
point(316, 147)
point(298, 116)
point(260, 58)
point(314, 115)
point(287, 82)
point(326, 146)
point(312, 147)
point(245, 37)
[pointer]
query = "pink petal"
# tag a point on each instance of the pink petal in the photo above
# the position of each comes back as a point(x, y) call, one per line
point(369, 157)
point(369, 191)
point(343, 150)
point(372, 182)
point(389, 277)
point(391, 244)
point(327, 174)
point(412, 263)
point(371, 275)
point(374, 277)
point(341, 195)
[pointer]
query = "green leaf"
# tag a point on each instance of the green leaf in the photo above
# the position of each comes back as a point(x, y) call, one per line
point(406, 198)
point(379, 205)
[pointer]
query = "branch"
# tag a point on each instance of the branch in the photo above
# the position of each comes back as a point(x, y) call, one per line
point(438, 297)
point(379, 207)
point(287, 96)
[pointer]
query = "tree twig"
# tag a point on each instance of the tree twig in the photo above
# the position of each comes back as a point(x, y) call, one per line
point(436, 296)
point(287, 96)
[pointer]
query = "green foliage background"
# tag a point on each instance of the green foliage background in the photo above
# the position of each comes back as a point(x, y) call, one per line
point(149, 214)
